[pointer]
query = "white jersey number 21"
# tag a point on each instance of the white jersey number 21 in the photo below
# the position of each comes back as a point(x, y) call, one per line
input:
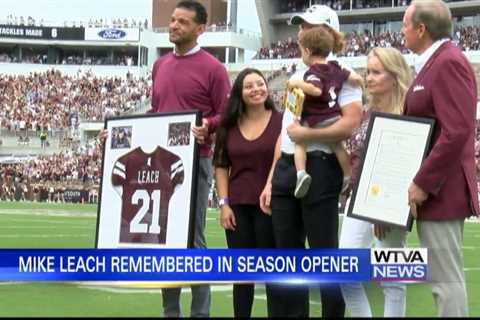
point(135, 225)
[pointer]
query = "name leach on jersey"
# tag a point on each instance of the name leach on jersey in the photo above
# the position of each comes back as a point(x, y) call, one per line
point(148, 181)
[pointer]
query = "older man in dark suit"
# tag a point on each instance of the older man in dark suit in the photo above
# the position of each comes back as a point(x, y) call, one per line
point(444, 191)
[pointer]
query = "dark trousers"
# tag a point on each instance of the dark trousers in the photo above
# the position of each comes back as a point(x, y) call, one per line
point(201, 299)
point(314, 217)
point(254, 230)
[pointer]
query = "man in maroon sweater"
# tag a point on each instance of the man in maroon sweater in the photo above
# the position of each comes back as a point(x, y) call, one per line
point(188, 79)
point(444, 190)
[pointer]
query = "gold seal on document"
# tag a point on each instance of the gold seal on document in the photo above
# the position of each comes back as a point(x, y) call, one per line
point(374, 190)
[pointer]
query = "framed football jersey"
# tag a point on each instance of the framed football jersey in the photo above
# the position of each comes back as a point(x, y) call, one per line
point(149, 176)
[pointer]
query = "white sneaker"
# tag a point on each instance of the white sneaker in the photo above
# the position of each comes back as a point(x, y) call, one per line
point(303, 184)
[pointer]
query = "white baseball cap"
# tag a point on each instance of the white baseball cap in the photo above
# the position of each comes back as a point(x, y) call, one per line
point(316, 15)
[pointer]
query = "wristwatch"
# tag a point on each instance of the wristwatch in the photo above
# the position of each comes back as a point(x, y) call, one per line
point(223, 201)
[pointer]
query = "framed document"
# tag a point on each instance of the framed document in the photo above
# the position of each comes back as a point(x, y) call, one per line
point(395, 148)
point(149, 180)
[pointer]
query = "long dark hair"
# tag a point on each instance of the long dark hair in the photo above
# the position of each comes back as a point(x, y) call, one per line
point(234, 111)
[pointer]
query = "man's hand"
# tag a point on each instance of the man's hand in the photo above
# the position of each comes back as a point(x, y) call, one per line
point(416, 197)
point(201, 133)
point(297, 132)
point(102, 136)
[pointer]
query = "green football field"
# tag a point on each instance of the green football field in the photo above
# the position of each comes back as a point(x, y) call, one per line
point(35, 225)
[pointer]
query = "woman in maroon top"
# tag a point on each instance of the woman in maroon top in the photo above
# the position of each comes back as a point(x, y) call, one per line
point(243, 155)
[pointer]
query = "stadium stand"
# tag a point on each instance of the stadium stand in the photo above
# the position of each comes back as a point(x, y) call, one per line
point(97, 22)
point(40, 58)
point(51, 101)
point(358, 44)
point(41, 113)
point(56, 102)
point(75, 169)
point(301, 5)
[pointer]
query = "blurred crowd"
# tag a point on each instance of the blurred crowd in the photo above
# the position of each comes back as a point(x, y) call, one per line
point(52, 99)
point(477, 148)
point(468, 38)
point(92, 23)
point(359, 44)
point(46, 178)
point(49, 101)
point(300, 5)
point(22, 21)
point(355, 44)
point(286, 49)
point(77, 168)
point(42, 58)
point(278, 94)
point(116, 23)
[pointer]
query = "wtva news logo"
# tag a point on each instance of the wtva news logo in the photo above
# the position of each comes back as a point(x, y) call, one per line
point(394, 264)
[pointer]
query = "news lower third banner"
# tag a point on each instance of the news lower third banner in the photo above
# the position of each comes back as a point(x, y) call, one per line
point(214, 265)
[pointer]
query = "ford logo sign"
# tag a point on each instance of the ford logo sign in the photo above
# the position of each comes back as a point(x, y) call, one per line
point(112, 34)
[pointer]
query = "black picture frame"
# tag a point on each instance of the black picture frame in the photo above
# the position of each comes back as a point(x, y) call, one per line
point(144, 132)
point(401, 127)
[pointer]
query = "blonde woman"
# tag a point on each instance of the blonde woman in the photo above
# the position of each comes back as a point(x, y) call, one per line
point(388, 79)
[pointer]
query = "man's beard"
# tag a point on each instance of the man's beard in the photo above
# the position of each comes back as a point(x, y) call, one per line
point(179, 41)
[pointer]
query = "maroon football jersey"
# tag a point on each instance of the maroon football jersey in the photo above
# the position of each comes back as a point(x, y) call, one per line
point(329, 78)
point(148, 181)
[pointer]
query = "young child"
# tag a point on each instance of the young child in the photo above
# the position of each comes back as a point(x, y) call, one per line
point(321, 85)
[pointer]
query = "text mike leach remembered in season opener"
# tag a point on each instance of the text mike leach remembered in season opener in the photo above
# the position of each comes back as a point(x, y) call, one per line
point(214, 265)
